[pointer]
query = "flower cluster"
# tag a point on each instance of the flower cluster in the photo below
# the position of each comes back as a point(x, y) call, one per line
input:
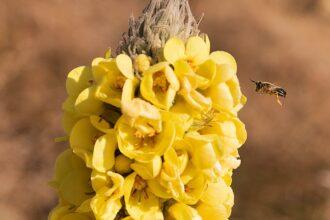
point(151, 140)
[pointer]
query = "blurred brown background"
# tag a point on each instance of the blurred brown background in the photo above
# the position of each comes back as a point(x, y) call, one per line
point(285, 171)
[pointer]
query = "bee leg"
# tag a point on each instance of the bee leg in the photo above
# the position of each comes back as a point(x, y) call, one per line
point(278, 101)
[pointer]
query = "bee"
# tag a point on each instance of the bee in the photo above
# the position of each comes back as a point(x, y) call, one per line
point(271, 89)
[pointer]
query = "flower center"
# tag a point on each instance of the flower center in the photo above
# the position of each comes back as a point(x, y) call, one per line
point(139, 183)
point(160, 82)
point(120, 81)
point(191, 64)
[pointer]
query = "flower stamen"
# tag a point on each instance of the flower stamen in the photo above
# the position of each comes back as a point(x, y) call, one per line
point(160, 82)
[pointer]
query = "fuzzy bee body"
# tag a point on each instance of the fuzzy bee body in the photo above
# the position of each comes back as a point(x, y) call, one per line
point(271, 89)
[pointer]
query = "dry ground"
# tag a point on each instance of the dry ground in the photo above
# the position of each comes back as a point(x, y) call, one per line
point(285, 171)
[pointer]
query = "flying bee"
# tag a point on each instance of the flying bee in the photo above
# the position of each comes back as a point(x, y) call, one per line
point(271, 89)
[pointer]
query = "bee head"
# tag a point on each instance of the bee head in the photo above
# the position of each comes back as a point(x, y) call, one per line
point(258, 84)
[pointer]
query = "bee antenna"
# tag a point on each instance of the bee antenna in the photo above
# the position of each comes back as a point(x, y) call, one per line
point(253, 81)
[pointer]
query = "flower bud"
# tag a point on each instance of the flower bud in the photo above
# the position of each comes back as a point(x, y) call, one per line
point(122, 164)
point(142, 63)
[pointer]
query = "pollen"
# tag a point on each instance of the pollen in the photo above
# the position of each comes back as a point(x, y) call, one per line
point(120, 81)
point(160, 82)
point(139, 183)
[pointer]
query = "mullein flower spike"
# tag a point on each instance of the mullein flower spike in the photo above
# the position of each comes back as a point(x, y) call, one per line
point(135, 150)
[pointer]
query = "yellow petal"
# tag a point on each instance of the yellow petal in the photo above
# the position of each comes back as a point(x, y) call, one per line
point(98, 69)
point(157, 189)
point(230, 129)
point(99, 180)
point(87, 103)
point(218, 212)
point(197, 50)
point(101, 124)
point(84, 207)
point(83, 137)
point(208, 71)
point(222, 57)
point(216, 193)
point(68, 105)
point(224, 73)
point(78, 80)
point(69, 120)
point(181, 211)
point(105, 208)
point(125, 65)
point(174, 50)
point(65, 163)
point(129, 90)
point(104, 152)
point(139, 108)
point(75, 187)
point(148, 170)
point(107, 94)
point(227, 96)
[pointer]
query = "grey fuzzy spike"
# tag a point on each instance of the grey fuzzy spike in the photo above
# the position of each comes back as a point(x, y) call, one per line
point(161, 20)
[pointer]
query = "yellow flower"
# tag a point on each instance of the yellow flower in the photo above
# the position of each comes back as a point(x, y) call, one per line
point(189, 187)
point(227, 96)
point(115, 79)
point(159, 85)
point(186, 186)
point(77, 81)
point(71, 179)
point(226, 66)
point(201, 149)
point(141, 133)
point(217, 201)
point(231, 135)
point(109, 189)
point(82, 139)
point(140, 202)
point(190, 82)
point(181, 211)
point(195, 51)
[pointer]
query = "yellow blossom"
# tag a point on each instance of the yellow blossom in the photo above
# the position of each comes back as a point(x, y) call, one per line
point(159, 85)
point(141, 134)
point(83, 145)
point(195, 51)
point(114, 78)
point(140, 202)
point(227, 96)
point(109, 189)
